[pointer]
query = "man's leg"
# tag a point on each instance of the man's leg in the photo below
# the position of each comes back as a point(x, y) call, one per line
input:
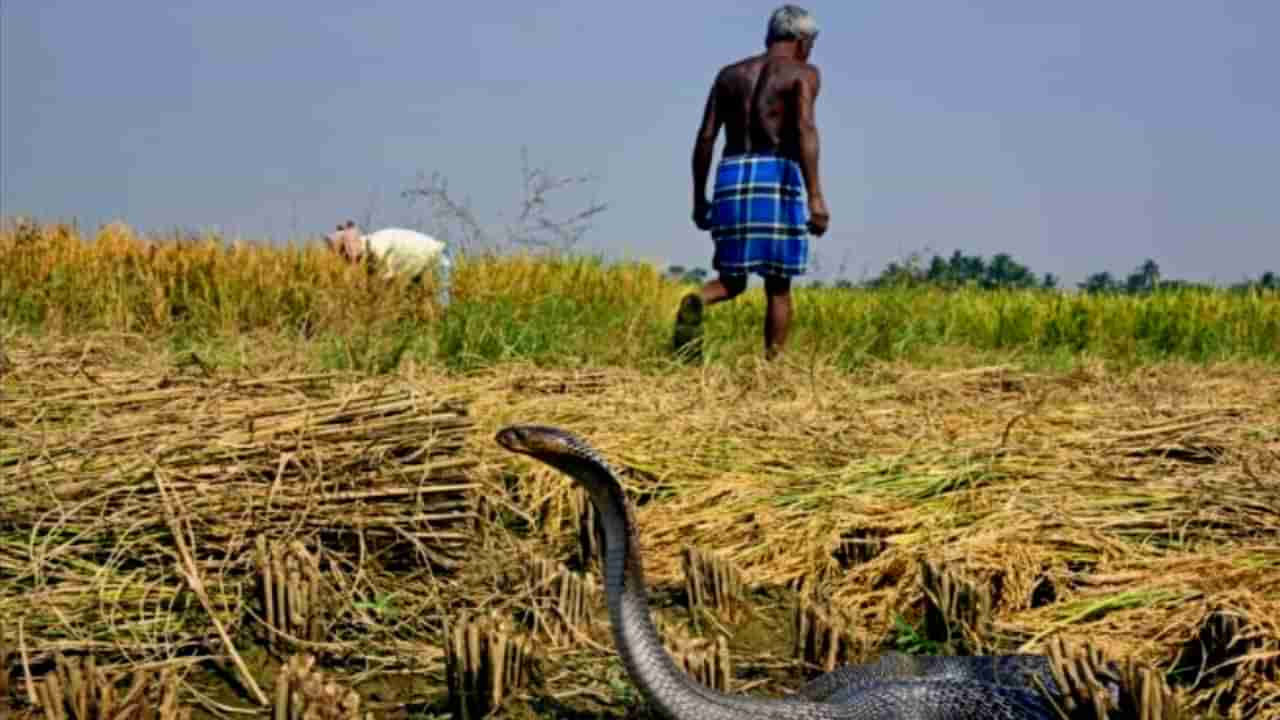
point(725, 287)
point(777, 315)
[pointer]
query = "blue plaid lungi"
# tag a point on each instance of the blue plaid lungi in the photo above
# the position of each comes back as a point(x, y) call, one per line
point(759, 216)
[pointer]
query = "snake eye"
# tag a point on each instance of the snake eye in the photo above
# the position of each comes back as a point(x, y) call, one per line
point(511, 438)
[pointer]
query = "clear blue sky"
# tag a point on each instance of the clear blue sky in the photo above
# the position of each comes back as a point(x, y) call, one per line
point(1078, 136)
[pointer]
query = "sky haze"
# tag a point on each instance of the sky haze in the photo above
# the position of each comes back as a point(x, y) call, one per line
point(1077, 136)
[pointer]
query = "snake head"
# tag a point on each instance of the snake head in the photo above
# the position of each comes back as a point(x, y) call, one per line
point(550, 445)
point(538, 441)
point(561, 450)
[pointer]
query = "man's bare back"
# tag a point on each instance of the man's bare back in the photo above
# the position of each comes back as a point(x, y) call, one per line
point(765, 103)
point(759, 99)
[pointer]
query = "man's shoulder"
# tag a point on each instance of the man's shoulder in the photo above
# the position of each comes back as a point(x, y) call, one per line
point(812, 73)
point(738, 66)
point(803, 72)
point(797, 66)
point(784, 69)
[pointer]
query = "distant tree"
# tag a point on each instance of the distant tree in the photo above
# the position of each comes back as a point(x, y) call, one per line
point(1005, 272)
point(960, 270)
point(999, 271)
point(967, 268)
point(1049, 281)
point(940, 271)
point(895, 275)
point(676, 271)
point(1101, 282)
point(844, 284)
point(1266, 281)
point(1145, 279)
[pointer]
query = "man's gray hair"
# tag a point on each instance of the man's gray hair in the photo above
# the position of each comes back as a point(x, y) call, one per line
point(791, 22)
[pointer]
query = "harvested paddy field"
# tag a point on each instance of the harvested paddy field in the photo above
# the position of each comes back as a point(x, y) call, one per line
point(187, 529)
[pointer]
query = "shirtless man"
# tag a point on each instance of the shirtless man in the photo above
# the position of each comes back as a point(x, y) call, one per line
point(767, 194)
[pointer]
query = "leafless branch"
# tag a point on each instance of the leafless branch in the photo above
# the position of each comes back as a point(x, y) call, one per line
point(534, 226)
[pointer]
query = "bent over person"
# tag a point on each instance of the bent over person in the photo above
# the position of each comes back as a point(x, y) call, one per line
point(767, 197)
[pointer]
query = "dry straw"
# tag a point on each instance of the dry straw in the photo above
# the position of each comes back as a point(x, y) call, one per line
point(487, 661)
point(1138, 511)
point(82, 691)
point(138, 503)
point(305, 692)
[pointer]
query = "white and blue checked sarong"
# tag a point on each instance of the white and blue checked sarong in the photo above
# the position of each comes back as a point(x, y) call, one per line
point(760, 216)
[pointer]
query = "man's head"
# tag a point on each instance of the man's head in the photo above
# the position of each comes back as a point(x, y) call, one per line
point(791, 23)
point(345, 241)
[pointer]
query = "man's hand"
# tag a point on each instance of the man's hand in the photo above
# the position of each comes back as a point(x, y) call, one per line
point(702, 214)
point(819, 216)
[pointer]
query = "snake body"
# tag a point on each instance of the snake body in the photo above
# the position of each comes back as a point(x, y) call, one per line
point(896, 687)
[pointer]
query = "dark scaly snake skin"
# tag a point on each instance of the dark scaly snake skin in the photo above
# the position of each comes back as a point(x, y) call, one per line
point(897, 687)
point(1015, 670)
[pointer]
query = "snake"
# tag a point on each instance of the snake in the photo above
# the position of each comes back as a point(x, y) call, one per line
point(895, 687)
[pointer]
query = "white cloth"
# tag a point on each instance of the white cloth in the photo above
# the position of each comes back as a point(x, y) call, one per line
point(405, 251)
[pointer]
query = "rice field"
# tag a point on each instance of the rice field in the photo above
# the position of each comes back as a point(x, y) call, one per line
point(240, 482)
point(576, 311)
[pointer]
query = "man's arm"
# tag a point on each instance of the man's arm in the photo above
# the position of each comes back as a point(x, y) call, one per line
point(807, 87)
point(703, 148)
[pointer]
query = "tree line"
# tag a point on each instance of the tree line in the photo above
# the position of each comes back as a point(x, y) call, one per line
point(1002, 271)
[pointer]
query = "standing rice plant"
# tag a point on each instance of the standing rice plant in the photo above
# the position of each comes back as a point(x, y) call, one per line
point(571, 310)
